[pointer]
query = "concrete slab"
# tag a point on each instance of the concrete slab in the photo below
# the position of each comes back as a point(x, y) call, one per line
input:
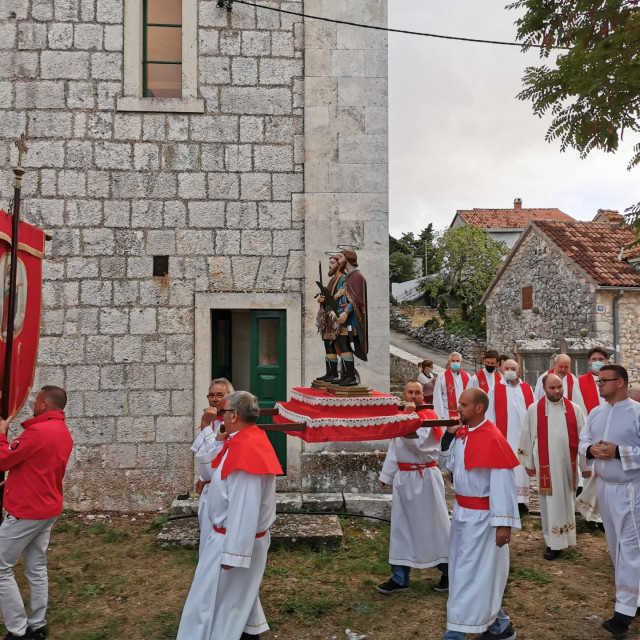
point(369, 504)
point(323, 501)
point(182, 506)
point(295, 530)
point(288, 501)
point(183, 532)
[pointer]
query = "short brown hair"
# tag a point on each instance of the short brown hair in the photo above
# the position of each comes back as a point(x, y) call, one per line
point(492, 353)
point(426, 363)
point(620, 370)
point(55, 396)
point(601, 350)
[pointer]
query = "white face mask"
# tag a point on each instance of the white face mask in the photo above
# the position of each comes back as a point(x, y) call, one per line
point(510, 375)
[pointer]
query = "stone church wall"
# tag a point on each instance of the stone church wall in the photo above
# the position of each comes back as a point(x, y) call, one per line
point(218, 192)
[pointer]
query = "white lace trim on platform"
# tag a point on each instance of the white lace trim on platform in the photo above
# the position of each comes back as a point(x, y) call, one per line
point(354, 401)
point(342, 422)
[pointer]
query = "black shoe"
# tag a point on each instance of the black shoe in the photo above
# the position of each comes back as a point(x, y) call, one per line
point(443, 585)
point(618, 625)
point(37, 634)
point(389, 587)
point(551, 554)
point(523, 509)
point(248, 636)
point(349, 381)
point(508, 634)
point(12, 636)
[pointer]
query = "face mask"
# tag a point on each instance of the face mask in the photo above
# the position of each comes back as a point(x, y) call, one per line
point(510, 375)
point(489, 368)
point(455, 366)
point(597, 365)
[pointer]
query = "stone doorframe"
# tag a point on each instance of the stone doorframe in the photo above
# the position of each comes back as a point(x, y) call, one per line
point(291, 303)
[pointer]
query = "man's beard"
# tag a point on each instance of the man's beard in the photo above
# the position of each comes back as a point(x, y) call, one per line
point(332, 271)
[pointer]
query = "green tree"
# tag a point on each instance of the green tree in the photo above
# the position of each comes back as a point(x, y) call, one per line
point(592, 89)
point(409, 244)
point(401, 267)
point(470, 259)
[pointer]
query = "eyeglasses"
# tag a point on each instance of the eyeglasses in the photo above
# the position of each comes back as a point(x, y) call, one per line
point(604, 381)
point(215, 395)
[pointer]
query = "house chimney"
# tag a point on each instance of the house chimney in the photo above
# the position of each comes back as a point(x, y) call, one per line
point(517, 204)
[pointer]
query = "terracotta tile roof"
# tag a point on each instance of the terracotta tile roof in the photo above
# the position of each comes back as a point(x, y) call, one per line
point(608, 215)
point(509, 218)
point(595, 247)
point(632, 254)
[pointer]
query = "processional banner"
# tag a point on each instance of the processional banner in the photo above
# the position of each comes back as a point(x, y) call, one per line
point(28, 306)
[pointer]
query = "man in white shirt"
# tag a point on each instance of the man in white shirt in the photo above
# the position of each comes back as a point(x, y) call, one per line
point(562, 368)
point(419, 515)
point(206, 447)
point(487, 377)
point(448, 387)
point(611, 443)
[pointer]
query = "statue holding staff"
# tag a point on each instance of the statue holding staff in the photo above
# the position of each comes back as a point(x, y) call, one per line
point(326, 320)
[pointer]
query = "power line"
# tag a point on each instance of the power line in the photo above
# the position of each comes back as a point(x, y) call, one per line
point(388, 29)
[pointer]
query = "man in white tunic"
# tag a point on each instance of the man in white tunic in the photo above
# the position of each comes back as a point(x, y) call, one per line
point(562, 368)
point(508, 403)
point(611, 442)
point(549, 450)
point(206, 447)
point(487, 377)
point(448, 387)
point(587, 499)
point(223, 602)
point(419, 515)
point(485, 511)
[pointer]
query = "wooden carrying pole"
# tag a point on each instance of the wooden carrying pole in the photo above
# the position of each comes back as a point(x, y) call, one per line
point(11, 306)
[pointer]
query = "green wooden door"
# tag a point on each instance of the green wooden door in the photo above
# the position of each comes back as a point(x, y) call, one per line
point(269, 367)
point(221, 344)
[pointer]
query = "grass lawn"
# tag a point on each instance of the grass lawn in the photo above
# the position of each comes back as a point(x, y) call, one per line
point(109, 580)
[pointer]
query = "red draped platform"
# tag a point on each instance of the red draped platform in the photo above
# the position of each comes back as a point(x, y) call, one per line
point(331, 418)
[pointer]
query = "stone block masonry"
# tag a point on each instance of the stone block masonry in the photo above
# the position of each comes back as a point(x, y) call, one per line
point(213, 191)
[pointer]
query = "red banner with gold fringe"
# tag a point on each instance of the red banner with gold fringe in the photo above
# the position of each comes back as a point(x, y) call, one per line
point(28, 306)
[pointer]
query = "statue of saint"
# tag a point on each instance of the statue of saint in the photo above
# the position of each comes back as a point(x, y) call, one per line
point(352, 316)
point(327, 322)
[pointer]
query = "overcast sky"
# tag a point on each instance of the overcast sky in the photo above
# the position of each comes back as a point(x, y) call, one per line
point(460, 139)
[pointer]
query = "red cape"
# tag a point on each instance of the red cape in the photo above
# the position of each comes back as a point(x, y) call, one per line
point(250, 451)
point(487, 448)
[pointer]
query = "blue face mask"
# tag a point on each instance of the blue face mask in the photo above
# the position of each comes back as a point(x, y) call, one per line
point(455, 366)
point(597, 365)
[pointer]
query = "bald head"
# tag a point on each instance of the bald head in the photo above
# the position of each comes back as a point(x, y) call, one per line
point(472, 405)
point(562, 365)
point(553, 387)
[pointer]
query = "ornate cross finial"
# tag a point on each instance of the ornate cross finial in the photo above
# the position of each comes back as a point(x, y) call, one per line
point(22, 148)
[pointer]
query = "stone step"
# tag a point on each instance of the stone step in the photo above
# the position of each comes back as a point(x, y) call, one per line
point(373, 504)
point(289, 530)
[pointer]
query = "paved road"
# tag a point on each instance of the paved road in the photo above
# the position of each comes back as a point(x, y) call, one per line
point(417, 348)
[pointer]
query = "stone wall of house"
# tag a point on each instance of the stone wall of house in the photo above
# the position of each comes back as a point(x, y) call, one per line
point(629, 313)
point(563, 299)
point(218, 192)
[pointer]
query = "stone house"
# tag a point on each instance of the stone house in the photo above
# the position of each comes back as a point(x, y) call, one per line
point(505, 225)
point(566, 286)
point(193, 166)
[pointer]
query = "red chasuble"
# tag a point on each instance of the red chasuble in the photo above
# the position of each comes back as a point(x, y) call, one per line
point(483, 382)
point(569, 383)
point(543, 444)
point(487, 448)
point(500, 401)
point(590, 393)
point(250, 451)
point(452, 401)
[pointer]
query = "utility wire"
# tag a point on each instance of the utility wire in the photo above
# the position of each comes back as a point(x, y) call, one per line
point(389, 29)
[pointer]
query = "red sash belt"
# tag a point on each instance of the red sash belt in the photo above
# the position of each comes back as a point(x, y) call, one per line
point(206, 482)
point(480, 504)
point(416, 466)
point(223, 531)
